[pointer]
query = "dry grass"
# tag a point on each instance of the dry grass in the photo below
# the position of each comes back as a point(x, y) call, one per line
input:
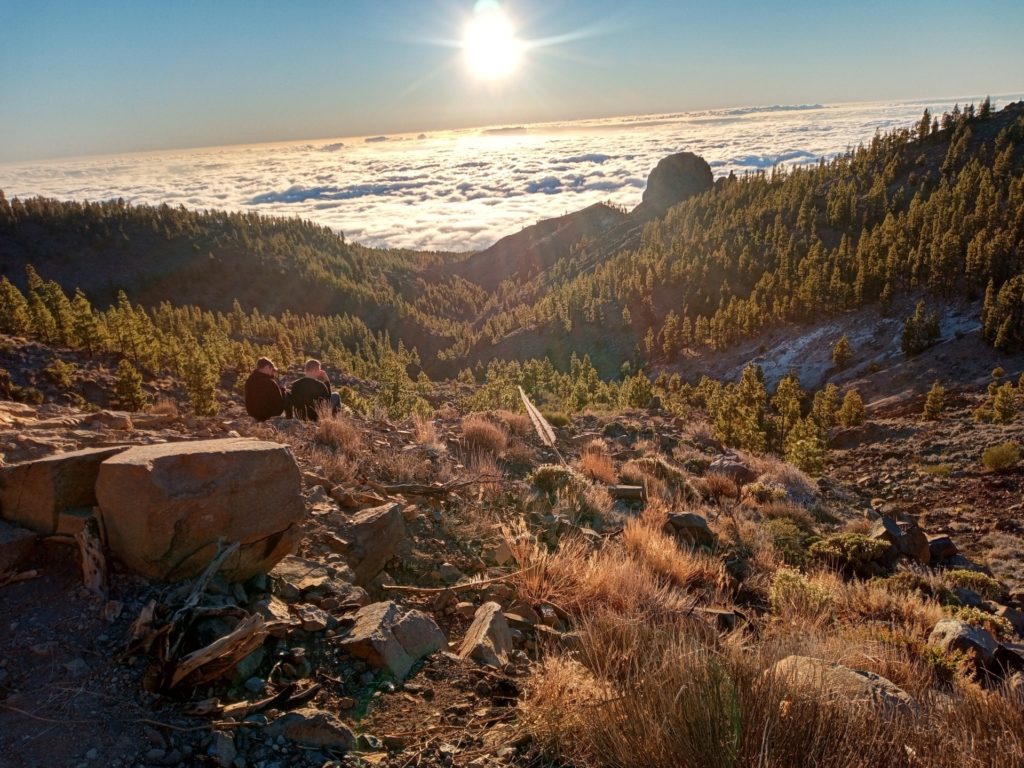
point(517, 424)
point(655, 695)
point(339, 468)
point(340, 433)
point(771, 470)
point(426, 433)
point(483, 465)
point(598, 466)
point(683, 567)
point(481, 434)
point(164, 406)
point(718, 487)
point(519, 452)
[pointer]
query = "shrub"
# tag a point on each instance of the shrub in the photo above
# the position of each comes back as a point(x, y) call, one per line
point(483, 435)
point(598, 466)
point(998, 372)
point(805, 447)
point(60, 373)
point(1001, 457)
point(851, 553)
point(764, 493)
point(981, 583)
point(935, 403)
point(842, 352)
point(912, 581)
point(999, 626)
point(556, 419)
point(789, 539)
point(1004, 404)
point(636, 392)
point(340, 433)
point(792, 595)
point(552, 478)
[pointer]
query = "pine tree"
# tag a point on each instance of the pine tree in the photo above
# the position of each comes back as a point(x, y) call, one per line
point(128, 387)
point(90, 332)
point(1004, 404)
point(920, 330)
point(805, 447)
point(842, 353)
point(14, 312)
point(852, 413)
point(636, 391)
point(824, 407)
point(200, 379)
point(935, 402)
point(787, 404)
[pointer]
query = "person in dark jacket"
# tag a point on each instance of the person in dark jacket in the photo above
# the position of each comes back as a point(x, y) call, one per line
point(311, 391)
point(264, 397)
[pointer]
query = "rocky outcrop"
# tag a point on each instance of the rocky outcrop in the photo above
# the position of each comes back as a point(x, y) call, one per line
point(843, 684)
point(673, 180)
point(903, 538)
point(34, 493)
point(953, 635)
point(389, 638)
point(165, 506)
point(373, 536)
point(488, 639)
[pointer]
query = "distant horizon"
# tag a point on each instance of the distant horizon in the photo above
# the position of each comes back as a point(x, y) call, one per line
point(116, 76)
point(415, 132)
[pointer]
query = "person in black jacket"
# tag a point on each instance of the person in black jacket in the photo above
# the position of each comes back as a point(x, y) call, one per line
point(311, 391)
point(264, 397)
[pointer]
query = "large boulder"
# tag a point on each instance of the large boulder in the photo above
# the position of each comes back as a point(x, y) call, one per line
point(313, 728)
point(733, 468)
point(674, 179)
point(904, 538)
point(34, 493)
point(389, 638)
point(165, 506)
point(488, 639)
point(374, 536)
point(818, 676)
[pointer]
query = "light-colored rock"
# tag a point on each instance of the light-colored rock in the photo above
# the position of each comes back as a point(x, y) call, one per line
point(389, 638)
point(314, 728)
point(34, 493)
point(843, 684)
point(690, 529)
point(15, 545)
point(953, 635)
point(374, 537)
point(164, 506)
point(313, 619)
point(488, 639)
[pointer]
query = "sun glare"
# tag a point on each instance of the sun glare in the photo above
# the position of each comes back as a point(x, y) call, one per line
point(489, 43)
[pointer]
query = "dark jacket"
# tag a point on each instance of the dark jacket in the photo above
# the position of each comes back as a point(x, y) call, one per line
point(307, 394)
point(264, 397)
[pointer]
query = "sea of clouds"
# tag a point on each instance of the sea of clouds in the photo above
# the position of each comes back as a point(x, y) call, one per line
point(462, 190)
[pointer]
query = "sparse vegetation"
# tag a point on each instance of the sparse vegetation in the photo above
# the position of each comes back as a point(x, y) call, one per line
point(1001, 457)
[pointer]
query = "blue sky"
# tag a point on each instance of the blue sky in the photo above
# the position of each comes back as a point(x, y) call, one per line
point(109, 76)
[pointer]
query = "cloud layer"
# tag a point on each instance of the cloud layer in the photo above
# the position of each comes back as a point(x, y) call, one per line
point(462, 190)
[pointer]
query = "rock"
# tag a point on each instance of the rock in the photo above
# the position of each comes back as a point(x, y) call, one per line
point(300, 574)
point(15, 545)
point(164, 506)
point(274, 610)
point(313, 728)
point(34, 493)
point(942, 548)
point(449, 573)
point(690, 529)
point(313, 619)
point(954, 635)
point(498, 553)
point(674, 179)
point(488, 640)
point(374, 536)
point(734, 469)
point(855, 686)
point(904, 539)
point(1012, 615)
point(223, 749)
point(389, 638)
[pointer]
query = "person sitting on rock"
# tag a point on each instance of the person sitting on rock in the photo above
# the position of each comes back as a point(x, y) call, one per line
point(313, 391)
point(264, 397)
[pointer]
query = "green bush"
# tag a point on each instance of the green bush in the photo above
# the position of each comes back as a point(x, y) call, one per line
point(981, 583)
point(999, 626)
point(851, 553)
point(789, 539)
point(791, 591)
point(1000, 457)
point(910, 581)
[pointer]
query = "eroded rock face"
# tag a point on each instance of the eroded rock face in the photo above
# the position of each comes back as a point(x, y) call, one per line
point(387, 637)
point(15, 545)
point(165, 506)
point(674, 179)
point(34, 493)
point(843, 683)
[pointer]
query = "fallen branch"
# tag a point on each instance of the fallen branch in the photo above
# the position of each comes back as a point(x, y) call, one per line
point(13, 577)
point(437, 489)
point(455, 587)
point(223, 653)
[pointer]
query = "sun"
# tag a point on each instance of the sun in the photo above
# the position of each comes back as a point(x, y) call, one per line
point(492, 50)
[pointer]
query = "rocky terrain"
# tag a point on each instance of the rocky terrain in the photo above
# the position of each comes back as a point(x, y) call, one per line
point(445, 591)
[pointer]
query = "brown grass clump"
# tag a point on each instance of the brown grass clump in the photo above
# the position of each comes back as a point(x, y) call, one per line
point(480, 434)
point(800, 488)
point(596, 464)
point(340, 433)
point(519, 452)
point(718, 487)
point(426, 432)
point(517, 424)
point(164, 406)
point(685, 568)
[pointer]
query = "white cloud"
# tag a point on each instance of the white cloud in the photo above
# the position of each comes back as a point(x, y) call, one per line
point(462, 190)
